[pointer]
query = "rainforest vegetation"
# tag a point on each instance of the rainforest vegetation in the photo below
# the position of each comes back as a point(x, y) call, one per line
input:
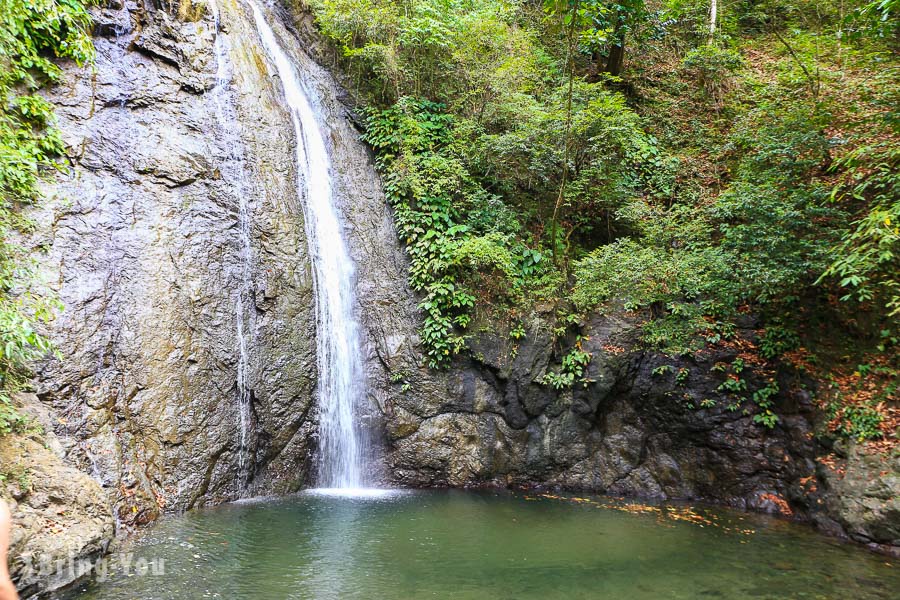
point(697, 165)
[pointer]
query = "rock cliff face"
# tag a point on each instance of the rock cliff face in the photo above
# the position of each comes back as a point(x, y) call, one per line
point(646, 425)
point(634, 429)
point(176, 242)
point(178, 224)
point(862, 497)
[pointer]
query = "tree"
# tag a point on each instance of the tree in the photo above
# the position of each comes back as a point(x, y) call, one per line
point(625, 15)
point(602, 27)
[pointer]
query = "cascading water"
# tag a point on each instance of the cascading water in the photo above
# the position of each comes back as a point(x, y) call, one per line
point(243, 315)
point(342, 444)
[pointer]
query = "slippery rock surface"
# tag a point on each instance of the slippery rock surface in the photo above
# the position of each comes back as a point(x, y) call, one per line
point(62, 522)
point(176, 225)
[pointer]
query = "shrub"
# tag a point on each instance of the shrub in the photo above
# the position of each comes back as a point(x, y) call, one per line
point(714, 69)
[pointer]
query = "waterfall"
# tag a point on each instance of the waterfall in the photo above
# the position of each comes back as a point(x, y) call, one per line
point(342, 447)
point(242, 305)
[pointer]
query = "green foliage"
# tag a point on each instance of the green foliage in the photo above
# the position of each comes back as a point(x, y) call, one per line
point(600, 24)
point(675, 271)
point(767, 235)
point(9, 418)
point(773, 218)
point(662, 370)
point(858, 422)
point(879, 18)
point(887, 339)
point(609, 156)
point(641, 276)
point(733, 385)
point(486, 253)
point(456, 51)
point(776, 341)
point(764, 399)
point(861, 405)
point(530, 262)
point(426, 183)
point(868, 257)
point(714, 69)
point(401, 377)
point(471, 155)
point(32, 33)
point(572, 369)
point(733, 176)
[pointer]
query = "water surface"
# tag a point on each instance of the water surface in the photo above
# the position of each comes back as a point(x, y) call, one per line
point(491, 545)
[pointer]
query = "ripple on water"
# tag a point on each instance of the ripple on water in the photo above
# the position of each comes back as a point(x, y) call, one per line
point(358, 493)
point(482, 545)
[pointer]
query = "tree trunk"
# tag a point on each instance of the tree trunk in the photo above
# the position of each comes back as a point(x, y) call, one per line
point(616, 59)
point(713, 17)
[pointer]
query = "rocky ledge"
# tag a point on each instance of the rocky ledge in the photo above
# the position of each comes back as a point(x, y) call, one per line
point(62, 521)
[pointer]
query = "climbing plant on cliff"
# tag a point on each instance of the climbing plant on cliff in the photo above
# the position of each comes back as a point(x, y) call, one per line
point(710, 170)
point(32, 34)
point(423, 179)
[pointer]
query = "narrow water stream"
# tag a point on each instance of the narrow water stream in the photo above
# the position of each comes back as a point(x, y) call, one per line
point(342, 445)
point(234, 164)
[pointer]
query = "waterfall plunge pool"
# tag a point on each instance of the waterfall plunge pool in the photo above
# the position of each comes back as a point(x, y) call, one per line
point(479, 545)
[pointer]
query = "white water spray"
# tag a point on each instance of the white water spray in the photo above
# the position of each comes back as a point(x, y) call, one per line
point(342, 444)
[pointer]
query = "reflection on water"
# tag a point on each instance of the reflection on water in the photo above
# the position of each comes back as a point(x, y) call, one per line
point(490, 545)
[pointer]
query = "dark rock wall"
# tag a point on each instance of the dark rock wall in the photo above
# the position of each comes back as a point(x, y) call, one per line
point(628, 432)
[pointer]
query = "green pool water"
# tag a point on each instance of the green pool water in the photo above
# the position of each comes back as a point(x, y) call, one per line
point(486, 545)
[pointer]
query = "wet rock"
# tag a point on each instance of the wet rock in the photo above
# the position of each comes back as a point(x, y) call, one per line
point(628, 431)
point(145, 248)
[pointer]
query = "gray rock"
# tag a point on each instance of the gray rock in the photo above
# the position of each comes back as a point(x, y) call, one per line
point(62, 522)
point(864, 498)
point(627, 432)
point(144, 247)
